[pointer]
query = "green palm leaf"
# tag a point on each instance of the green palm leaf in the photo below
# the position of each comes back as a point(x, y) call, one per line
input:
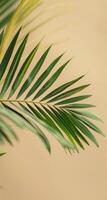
point(15, 13)
point(13, 66)
point(12, 14)
point(8, 54)
point(33, 73)
point(7, 9)
point(24, 102)
point(1, 36)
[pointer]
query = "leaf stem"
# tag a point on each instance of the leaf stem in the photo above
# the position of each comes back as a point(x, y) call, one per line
point(28, 101)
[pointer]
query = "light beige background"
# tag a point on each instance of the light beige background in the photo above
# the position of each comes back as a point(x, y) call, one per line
point(27, 172)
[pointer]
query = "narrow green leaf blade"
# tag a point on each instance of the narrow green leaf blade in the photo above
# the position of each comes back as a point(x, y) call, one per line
point(50, 82)
point(1, 37)
point(85, 130)
point(2, 153)
point(70, 126)
point(73, 100)
point(88, 123)
point(43, 76)
point(51, 126)
point(7, 56)
point(8, 6)
point(35, 128)
point(77, 132)
point(26, 119)
point(13, 66)
point(33, 73)
point(68, 93)
point(77, 105)
point(7, 131)
point(6, 19)
point(10, 115)
point(61, 124)
point(88, 114)
point(61, 88)
point(23, 70)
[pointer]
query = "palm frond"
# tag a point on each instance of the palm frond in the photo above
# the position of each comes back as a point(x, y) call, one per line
point(25, 103)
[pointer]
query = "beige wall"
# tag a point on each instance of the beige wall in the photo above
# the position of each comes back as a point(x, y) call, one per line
point(27, 172)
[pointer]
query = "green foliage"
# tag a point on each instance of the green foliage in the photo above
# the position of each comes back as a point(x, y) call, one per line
point(7, 9)
point(12, 15)
point(26, 103)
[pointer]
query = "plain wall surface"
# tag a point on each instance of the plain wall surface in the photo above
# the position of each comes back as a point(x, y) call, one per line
point(28, 172)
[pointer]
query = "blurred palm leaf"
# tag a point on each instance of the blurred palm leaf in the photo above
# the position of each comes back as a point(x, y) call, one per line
point(7, 9)
point(25, 103)
point(15, 13)
point(12, 13)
